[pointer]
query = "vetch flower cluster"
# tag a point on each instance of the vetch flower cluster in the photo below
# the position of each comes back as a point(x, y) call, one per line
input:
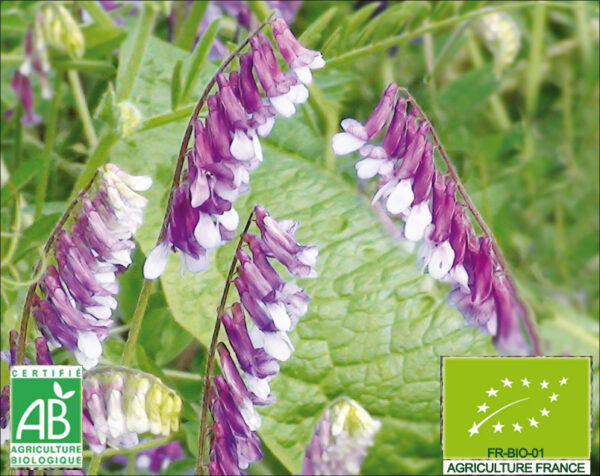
point(227, 147)
point(340, 440)
point(412, 189)
point(119, 404)
point(274, 306)
point(42, 357)
point(78, 290)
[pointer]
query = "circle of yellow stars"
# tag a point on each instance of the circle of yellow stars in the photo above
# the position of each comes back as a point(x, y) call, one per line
point(516, 426)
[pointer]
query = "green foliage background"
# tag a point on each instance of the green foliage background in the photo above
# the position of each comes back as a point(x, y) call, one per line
point(525, 143)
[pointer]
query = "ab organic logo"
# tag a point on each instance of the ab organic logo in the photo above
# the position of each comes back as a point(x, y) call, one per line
point(45, 416)
point(523, 415)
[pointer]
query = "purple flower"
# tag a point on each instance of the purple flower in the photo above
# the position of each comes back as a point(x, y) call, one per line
point(22, 88)
point(78, 293)
point(355, 134)
point(277, 241)
point(159, 458)
point(410, 188)
point(274, 307)
point(226, 149)
point(4, 414)
point(299, 58)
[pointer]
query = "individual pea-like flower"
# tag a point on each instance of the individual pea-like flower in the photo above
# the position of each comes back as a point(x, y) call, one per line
point(340, 440)
point(299, 58)
point(274, 307)
point(42, 357)
point(78, 290)
point(410, 188)
point(21, 86)
point(119, 404)
point(227, 148)
point(355, 134)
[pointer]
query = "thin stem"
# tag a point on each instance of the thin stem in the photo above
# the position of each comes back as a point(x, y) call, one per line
point(136, 322)
point(84, 65)
point(82, 108)
point(16, 158)
point(31, 291)
point(212, 350)
point(94, 464)
point(534, 69)
point(462, 191)
point(40, 196)
point(97, 159)
point(133, 450)
point(99, 15)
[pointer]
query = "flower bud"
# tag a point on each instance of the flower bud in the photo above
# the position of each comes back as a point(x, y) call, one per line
point(130, 119)
point(62, 31)
point(501, 36)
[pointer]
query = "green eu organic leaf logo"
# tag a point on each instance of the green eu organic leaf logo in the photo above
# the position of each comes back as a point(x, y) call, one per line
point(540, 403)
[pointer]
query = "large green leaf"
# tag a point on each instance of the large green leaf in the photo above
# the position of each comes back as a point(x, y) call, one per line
point(376, 326)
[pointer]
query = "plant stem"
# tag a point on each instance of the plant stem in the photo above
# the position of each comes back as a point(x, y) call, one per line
point(212, 349)
point(94, 464)
point(85, 65)
point(99, 15)
point(40, 196)
point(166, 118)
point(136, 322)
point(534, 70)
point(131, 69)
point(82, 108)
point(133, 450)
point(31, 291)
point(479, 219)
point(16, 158)
point(96, 160)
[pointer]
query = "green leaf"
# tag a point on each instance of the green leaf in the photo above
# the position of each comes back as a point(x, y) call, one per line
point(176, 85)
point(462, 96)
point(312, 35)
point(198, 58)
point(187, 35)
point(377, 344)
point(36, 234)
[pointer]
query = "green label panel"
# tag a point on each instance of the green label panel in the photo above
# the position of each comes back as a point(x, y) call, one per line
point(530, 407)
